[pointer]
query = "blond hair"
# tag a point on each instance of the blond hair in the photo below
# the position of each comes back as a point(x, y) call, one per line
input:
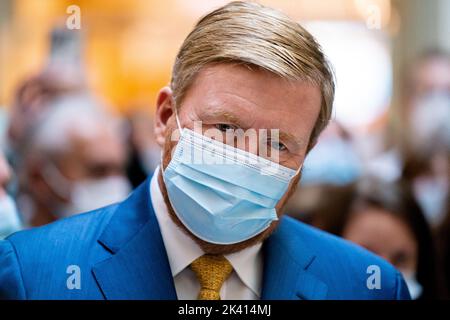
point(254, 35)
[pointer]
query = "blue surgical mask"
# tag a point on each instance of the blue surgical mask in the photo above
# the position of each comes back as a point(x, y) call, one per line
point(430, 120)
point(414, 287)
point(221, 194)
point(431, 194)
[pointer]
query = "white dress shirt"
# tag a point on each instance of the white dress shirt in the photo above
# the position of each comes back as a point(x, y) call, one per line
point(244, 282)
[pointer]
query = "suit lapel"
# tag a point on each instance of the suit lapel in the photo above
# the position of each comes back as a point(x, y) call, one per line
point(138, 267)
point(286, 263)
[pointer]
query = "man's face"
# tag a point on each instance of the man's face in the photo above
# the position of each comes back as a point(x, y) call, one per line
point(94, 156)
point(228, 96)
point(431, 75)
point(89, 157)
point(73, 179)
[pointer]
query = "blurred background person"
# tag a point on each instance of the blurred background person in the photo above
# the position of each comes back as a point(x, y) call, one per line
point(427, 135)
point(62, 74)
point(9, 217)
point(385, 219)
point(443, 240)
point(333, 163)
point(67, 150)
point(144, 154)
point(32, 98)
point(407, 217)
point(334, 160)
point(74, 161)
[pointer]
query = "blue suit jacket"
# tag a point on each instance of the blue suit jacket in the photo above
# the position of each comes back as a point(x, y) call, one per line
point(121, 255)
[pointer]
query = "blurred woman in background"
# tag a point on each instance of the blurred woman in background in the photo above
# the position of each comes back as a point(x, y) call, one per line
point(385, 219)
point(443, 237)
point(9, 217)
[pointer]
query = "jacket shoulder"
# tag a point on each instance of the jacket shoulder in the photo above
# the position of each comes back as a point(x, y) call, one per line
point(80, 228)
point(11, 282)
point(37, 261)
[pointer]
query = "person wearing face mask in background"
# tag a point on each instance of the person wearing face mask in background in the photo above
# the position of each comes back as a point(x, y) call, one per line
point(334, 160)
point(443, 241)
point(62, 74)
point(10, 220)
point(9, 216)
point(427, 148)
point(73, 162)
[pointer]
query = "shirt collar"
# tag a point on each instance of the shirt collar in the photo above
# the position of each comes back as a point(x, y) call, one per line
point(248, 265)
point(182, 249)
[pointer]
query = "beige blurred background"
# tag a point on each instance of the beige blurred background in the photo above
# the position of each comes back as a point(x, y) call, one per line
point(130, 45)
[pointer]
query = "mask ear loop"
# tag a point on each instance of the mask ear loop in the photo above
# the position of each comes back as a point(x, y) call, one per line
point(298, 172)
point(178, 122)
point(179, 129)
point(176, 115)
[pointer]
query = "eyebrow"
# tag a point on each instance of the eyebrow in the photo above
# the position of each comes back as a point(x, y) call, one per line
point(227, 115)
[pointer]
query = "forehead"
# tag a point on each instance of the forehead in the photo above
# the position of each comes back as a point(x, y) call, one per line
point(257, 98)
point(379, 226)
point(99, 145)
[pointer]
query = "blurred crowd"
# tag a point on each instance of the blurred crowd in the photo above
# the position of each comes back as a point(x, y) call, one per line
point(392, 197)
point(64, 152)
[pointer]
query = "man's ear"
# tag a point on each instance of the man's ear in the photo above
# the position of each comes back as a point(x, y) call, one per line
point(164, 110)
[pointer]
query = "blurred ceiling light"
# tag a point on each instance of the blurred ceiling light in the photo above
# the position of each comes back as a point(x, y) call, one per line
point(363, 10)
point(200, 7)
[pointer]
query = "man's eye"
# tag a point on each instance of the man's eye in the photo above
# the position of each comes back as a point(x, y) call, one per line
point(224, 127)
point(277, 146)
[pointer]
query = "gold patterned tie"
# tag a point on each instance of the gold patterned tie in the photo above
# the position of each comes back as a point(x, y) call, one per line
point(211, 272)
